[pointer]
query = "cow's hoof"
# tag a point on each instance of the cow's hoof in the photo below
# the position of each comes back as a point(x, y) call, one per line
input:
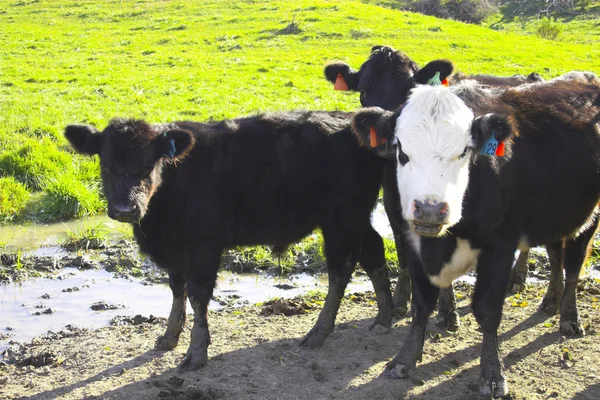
point(382, 322)
point(572, 328)
point(166, 343)
point(379, 329)
point(193, 360)
point(496, 388)
point(550, 305)
point(314, 338)
point(400, 311)
point(396, 371)
point(449, 321)
point(516, 287)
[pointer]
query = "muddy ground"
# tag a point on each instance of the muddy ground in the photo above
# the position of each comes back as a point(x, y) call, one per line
point(255, 355)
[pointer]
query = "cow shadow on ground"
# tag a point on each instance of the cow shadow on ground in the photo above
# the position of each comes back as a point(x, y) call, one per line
point(346, 367)
point(591, 393)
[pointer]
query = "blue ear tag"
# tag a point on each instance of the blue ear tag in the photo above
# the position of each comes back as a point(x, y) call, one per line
point(435, 80)
point(490, 146)
point(170, 150)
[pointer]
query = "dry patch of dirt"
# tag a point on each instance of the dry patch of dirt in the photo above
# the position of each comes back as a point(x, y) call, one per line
point(255, 355)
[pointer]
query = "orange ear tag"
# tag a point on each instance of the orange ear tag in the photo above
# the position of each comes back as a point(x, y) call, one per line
point(500, 150)
point(373, 138)
point(340, 83)
point(445, 82)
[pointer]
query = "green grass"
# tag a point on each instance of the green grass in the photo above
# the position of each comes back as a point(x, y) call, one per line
point(86, 62)
point(94, 237)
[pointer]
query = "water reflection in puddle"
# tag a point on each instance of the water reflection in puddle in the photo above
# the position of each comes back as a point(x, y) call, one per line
point(18, 302)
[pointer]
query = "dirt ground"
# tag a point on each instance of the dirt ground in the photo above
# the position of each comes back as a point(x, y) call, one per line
point(254, 356)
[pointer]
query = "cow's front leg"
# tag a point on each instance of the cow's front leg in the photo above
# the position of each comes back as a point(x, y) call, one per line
point(493, 272)
point(200, 282)
point(424, 299)
point(176, 321)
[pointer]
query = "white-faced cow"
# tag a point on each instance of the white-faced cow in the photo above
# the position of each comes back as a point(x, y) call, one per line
point(192, 190)
point(480, 174)
point(385, 81)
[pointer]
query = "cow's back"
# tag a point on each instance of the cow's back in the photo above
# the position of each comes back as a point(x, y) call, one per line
point(271, 179)
point(557, 168)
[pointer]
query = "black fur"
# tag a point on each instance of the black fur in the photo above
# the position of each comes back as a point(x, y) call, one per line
point(546, 190)
point(267, 179)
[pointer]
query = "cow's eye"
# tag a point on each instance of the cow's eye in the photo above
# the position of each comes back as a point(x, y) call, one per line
point(464, 153)
point(402, 157)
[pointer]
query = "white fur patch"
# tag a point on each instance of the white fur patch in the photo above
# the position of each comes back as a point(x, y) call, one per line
point(433, 131)
point(462, 261)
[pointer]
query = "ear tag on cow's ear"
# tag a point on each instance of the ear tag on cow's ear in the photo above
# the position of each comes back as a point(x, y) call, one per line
point(435, 80)
point(170, 147)
point(340, 83)
point(373, 138)
point(445, 82)
point(492, 148)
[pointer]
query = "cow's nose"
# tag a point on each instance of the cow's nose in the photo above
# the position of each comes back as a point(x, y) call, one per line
point(124, 212)
point(431, 212)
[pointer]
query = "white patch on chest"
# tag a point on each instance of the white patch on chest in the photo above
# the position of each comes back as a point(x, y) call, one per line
point(462, 261)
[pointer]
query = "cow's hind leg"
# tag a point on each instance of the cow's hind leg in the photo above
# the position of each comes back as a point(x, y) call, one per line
point(200, 283)
point(342, 255)
point(556, 287)
point(518, 275)
point(176, 321)
point(372, 259)
point(576, 252)
point(447, 315)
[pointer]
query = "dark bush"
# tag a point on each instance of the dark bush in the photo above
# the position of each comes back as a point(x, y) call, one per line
point(473, 11)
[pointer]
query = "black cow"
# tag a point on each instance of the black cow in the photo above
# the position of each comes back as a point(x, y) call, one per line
point(385, 81)
point(481, 173)
point(192, 189)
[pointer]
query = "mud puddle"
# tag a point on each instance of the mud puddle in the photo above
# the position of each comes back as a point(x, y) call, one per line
point(92, 298)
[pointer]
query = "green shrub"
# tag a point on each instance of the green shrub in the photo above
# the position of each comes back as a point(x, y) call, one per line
point(550, 28)
point(13, 199)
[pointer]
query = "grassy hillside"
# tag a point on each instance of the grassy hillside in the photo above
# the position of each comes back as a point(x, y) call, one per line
point(67, 62)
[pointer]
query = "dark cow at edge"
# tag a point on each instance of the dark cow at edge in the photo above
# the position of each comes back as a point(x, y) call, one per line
point(385, 81)
point(462, 209)
point(192, 190)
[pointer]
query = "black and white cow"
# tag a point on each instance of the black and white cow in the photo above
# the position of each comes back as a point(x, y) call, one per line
point(385, 81)
point(464, 206)
point(192, 190)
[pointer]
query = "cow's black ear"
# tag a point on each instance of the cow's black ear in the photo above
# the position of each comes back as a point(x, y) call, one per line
point(483, 128)
point(435, 72)
point(85, 139)
point(350, 77)
point(176, 143)
point(375, 128)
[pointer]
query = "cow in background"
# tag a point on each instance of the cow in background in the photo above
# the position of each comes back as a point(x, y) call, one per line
point(385, 80)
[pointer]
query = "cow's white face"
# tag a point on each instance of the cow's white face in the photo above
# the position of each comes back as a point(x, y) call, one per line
point(434, 141)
